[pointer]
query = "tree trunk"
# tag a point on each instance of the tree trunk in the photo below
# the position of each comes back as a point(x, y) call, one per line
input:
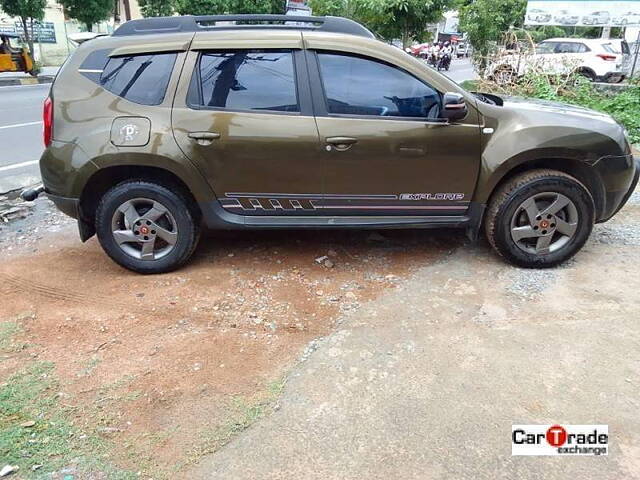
point(89, 27)
point(127, 10)
point(28, 36)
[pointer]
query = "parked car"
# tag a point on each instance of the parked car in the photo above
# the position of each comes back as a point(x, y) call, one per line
point(597, 18)
point(176, 124)
point(629, 18)
point(596, 59)
point(537, 15)
point(463, 49)
point(564, 17)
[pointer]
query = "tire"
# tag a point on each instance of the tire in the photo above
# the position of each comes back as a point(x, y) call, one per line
point(588, 74)
point(546, 240)
point(155, 228)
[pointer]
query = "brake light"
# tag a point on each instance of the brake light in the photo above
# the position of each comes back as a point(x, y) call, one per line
point(606, 58)
point(47, 118)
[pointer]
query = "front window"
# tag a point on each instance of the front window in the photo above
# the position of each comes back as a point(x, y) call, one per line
point(545, 47)
point(361, 86)
point(247, 80)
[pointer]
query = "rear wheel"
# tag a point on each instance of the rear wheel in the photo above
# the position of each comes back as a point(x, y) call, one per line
point(540, 218)
point(146, 227)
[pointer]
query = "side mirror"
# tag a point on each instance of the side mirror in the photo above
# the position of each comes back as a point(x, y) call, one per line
point(453, 107)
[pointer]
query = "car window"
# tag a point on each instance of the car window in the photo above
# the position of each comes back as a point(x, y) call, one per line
point(360, 86)
point(546, 47)
point(248, 80)
point(139, 78)
point(571, 47)
point(613, 47)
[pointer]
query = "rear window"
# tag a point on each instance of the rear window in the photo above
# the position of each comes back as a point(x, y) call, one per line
point(140, 79)
point(611, 47)
point(261, 80)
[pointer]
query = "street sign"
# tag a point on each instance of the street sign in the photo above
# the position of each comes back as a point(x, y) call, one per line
point(581, 13)
point(43, 32)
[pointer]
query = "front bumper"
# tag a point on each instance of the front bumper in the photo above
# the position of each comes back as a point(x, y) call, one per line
point(615, 200)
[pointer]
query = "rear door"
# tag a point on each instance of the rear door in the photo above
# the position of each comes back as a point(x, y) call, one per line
point(388, 152)
point(243, 115)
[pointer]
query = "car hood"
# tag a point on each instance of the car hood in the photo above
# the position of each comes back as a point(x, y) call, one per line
point(529, 106)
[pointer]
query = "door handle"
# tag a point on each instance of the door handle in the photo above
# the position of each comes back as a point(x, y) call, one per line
point(204, 138)
point(341, 143)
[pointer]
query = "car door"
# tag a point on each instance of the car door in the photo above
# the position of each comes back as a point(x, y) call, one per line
point(244, 117)
point(388, 152)
point(569, 56)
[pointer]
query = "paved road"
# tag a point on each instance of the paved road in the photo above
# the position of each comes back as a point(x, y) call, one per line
point(21, 128)
point(20, 135)
point(461, 70)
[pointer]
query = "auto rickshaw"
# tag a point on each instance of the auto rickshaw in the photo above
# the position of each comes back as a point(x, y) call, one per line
point(14, 59)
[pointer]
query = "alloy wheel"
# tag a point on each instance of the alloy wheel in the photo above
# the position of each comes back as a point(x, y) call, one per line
point(544, 223)
point(144, 229)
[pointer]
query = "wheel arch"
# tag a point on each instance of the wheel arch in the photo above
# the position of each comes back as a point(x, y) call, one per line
point(105, 178)
point(577, 169)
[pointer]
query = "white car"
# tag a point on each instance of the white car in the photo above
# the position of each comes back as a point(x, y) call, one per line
point(537, 15)
point(565, 17)
point(629, 18)
point(597, 18)
point(597, 59)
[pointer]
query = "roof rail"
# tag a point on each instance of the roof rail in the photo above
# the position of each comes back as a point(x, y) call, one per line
point(190, 23)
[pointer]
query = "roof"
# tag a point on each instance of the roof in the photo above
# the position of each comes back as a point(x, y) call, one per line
point(581, 40)
point(189, 23)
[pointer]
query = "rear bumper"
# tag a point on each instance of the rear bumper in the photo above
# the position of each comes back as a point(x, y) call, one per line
point(68, 206)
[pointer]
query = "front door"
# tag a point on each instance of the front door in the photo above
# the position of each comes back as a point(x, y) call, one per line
point(247, 123)
point(387, 150)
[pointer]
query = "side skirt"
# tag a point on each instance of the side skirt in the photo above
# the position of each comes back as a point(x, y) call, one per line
point(217, 218)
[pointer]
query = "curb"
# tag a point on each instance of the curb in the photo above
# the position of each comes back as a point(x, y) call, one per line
point(8, 82)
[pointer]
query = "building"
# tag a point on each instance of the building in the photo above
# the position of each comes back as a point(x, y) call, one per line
point(52, 45)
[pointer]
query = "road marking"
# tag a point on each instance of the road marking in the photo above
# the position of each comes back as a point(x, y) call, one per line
point(48, 85)
point(21, 125)
point(18, 165)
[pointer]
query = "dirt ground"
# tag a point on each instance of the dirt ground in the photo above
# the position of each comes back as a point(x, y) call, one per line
point(168, 368)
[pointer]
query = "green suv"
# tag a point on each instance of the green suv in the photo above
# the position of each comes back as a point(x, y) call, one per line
point(174, 124)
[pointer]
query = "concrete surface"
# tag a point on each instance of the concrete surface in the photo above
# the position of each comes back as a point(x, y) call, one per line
point(426, 381)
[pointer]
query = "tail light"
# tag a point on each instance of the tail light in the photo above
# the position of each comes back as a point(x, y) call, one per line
point(47, 118)
point(606, 58)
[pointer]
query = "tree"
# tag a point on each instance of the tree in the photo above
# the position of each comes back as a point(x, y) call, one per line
point(391, 19)
point(353, 9)
point(28, 11)
point(156, 8)
point(404, 19)
point(220, 7)
point(485, 21)
point(88, 12)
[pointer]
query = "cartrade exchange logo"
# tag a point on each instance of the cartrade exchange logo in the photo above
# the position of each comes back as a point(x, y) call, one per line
point(559, 440)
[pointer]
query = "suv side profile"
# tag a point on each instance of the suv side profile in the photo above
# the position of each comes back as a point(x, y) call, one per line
point(175, 124)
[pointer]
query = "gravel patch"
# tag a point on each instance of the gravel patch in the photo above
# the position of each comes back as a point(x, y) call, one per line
point(617, 234)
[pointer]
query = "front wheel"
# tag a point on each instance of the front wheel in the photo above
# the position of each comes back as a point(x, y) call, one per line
point(146, 227)
point(540, 218)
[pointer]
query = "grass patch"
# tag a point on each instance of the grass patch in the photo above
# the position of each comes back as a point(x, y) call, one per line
point(244, 412)
point(35, 429)
point(469, 85)
point(7, 331)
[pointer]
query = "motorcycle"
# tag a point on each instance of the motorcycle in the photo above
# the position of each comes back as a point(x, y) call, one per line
point(444, 62)
point(432, 59)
